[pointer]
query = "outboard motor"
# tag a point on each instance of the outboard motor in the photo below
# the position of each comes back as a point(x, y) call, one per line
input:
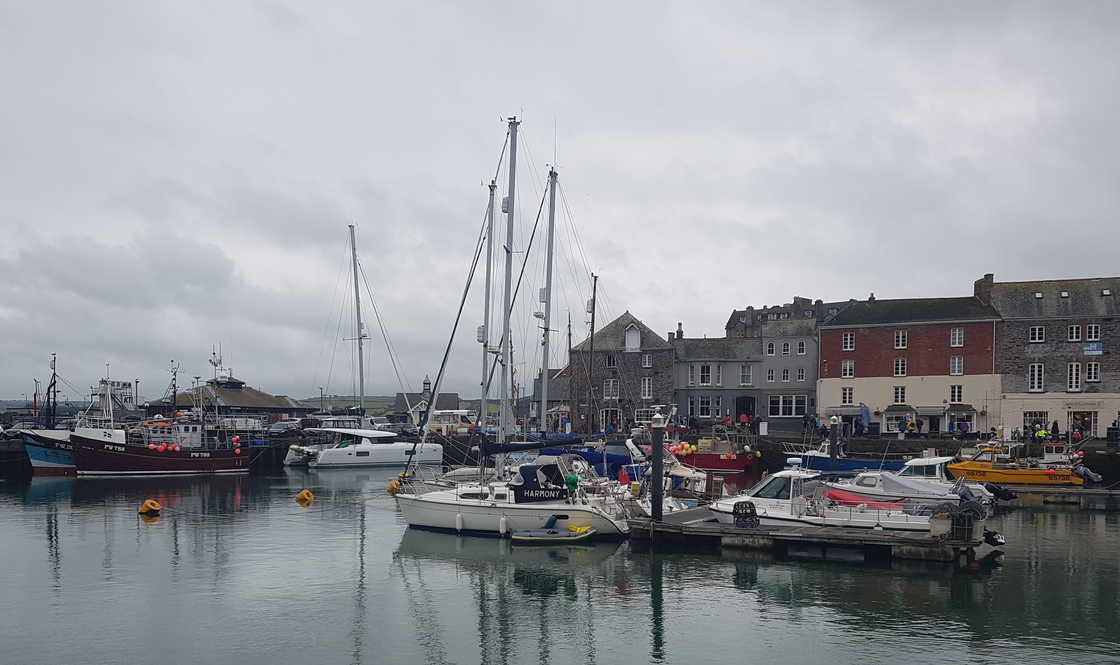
point(1086, 473)
point(966, 494)
point(1000, 493)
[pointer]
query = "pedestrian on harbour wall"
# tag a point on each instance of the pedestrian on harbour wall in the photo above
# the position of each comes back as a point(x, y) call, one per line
point(1054, 430)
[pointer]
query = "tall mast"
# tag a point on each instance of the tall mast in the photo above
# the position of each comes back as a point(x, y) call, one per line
point(508, 207)
point(52, 395)
point(109, 395)
point(484, 333)
point(591, 358)
point(361, 334)
point(547, 298)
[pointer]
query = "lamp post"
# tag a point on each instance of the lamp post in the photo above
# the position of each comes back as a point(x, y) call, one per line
point(657, 489)
point(834, 440)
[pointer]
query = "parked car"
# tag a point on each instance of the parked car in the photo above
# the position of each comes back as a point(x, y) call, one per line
point(283, 426)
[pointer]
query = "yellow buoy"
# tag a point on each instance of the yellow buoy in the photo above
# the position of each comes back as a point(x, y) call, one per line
point(149, 519)
point(150, 507)
point(305, 498)
point(393, 488)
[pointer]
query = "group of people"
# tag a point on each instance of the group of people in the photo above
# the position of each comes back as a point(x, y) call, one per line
point(744, 424)
point(1038, 431)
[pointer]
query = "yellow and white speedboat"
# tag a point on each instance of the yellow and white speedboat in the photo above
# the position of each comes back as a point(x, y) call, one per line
point(989, 466)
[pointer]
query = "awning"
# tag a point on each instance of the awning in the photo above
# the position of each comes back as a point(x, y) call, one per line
point(931, 410)
point(961, 408)
point(842, 411)
point(899, 408)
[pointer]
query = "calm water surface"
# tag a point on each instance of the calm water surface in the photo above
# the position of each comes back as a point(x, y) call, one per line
point(236, 572)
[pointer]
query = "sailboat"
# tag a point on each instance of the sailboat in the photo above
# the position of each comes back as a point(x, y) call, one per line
point(558, 491)
point(359, 447)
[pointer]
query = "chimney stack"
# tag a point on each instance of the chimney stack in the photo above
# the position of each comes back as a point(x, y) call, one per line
point(982, 288)
point(680, 330)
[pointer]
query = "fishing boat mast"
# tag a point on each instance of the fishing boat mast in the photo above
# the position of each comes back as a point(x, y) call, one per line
point(508, 208)
point(484, 332)
point(546, 298)
point(361, 333)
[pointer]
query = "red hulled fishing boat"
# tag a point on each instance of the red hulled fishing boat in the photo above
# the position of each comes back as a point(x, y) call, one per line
point(106, 452)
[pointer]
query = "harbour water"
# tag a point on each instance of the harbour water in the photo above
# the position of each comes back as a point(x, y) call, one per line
point(235, 572)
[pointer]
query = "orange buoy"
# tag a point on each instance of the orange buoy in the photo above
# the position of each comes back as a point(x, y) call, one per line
point(162, 447)
point(236, 451)
point(305, 498)
point(150, 507)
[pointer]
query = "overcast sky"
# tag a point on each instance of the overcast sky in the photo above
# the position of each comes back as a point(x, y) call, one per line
point(177, 175)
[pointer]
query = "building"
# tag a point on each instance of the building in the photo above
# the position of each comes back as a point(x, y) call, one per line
point(927, 359)
point(629, 372)
point(559, 404)
point(786, 378)
point(1057, 353)
point(716, 377)
point(414, 406)
point(229, 396)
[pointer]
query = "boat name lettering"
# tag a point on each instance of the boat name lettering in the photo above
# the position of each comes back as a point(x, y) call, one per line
point(200, 454)
point(541, 494)
point(116, 449)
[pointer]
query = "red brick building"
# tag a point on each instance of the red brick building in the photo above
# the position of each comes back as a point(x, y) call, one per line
point(931, 360)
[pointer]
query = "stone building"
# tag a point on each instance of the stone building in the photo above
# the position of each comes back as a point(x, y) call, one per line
point(1057, 353)
point(559, 400)
point(716, 377)
point(786, 377)
point(630, 372)
point(928, 359)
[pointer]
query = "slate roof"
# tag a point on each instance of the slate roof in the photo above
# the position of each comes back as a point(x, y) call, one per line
point(612, 337)
point(559, 387)
point(718, 348)
point(445, 401)
point(912, 310)
point(1016, 300)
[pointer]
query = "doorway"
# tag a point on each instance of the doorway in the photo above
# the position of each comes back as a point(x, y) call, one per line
point(1083, 421)
point(744, 404)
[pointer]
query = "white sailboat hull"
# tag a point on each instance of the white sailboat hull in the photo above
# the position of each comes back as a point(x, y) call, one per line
point(432, 511)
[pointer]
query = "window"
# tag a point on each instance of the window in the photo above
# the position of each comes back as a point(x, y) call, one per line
point(647, 387)
point(705, 406)
point(848, 341)
point(900, 394)
point(633, 339)
point(1073, 377)
point(1035, 377)
point(900, 367)
point(956, 394)
point(643, 416)
point(900, 339)
point(610, 389)
point(716, 404)
point(785, 375)
point(896, 423)
point(1106, 292)
point(647, 360)
point(847, 369)
point(787, 406)
point(719, 375)
point(362, 453)
point(611, 360)
point(847, 395)
point(800, 373)
point(1064, 294)
point(769, 348)
point(1038, 295)
point(770, 375)
point(745, 372)
point(1093, 372)
point(692, 375)
point(1074, 334)
point(1093, 332)
point(775, 488)
point(691, 407)
point(801, 348)
point(785, 348)
point(808, 313)
point(956, 365)
point(705, 375)
point(1032, 418)
point(956, 337)
point(1038, 334)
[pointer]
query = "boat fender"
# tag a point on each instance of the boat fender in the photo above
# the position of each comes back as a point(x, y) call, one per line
point(150, 507)
point(305, 498)
point(459, 522)
point(503, 525)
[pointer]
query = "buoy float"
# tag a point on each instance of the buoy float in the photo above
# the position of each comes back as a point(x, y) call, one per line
point(162, 447)
point(150, 507)
point(393, 487)
point(305, 498)
point(151, 446)
point(236, 451)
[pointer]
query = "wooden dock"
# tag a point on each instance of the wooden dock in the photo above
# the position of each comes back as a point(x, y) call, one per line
point(697, 530)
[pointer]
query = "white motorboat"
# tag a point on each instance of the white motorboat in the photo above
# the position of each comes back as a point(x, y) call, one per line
point(538, 492)
point(361, 447)
point(796, 496)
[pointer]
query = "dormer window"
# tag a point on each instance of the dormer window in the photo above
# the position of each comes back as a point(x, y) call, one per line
point(633, 338)
point(1038, 295)
point(1064, 294)
point(1106, 292)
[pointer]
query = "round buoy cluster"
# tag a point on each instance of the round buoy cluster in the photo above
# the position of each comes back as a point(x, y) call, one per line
point(236, 441)
point(305, 498)
point(683, 449)
point(150, 507)
point(395, 486)
point(164, 447)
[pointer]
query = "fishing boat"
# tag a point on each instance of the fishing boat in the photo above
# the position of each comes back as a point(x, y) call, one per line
point(798, 497)
point(49, 449)
point(718, 454)
point(991, 464)
point(107, 452)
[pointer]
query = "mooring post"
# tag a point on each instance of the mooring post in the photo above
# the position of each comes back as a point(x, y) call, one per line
point(657, 487)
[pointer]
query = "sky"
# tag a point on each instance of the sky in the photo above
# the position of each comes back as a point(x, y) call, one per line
point(175, 176)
